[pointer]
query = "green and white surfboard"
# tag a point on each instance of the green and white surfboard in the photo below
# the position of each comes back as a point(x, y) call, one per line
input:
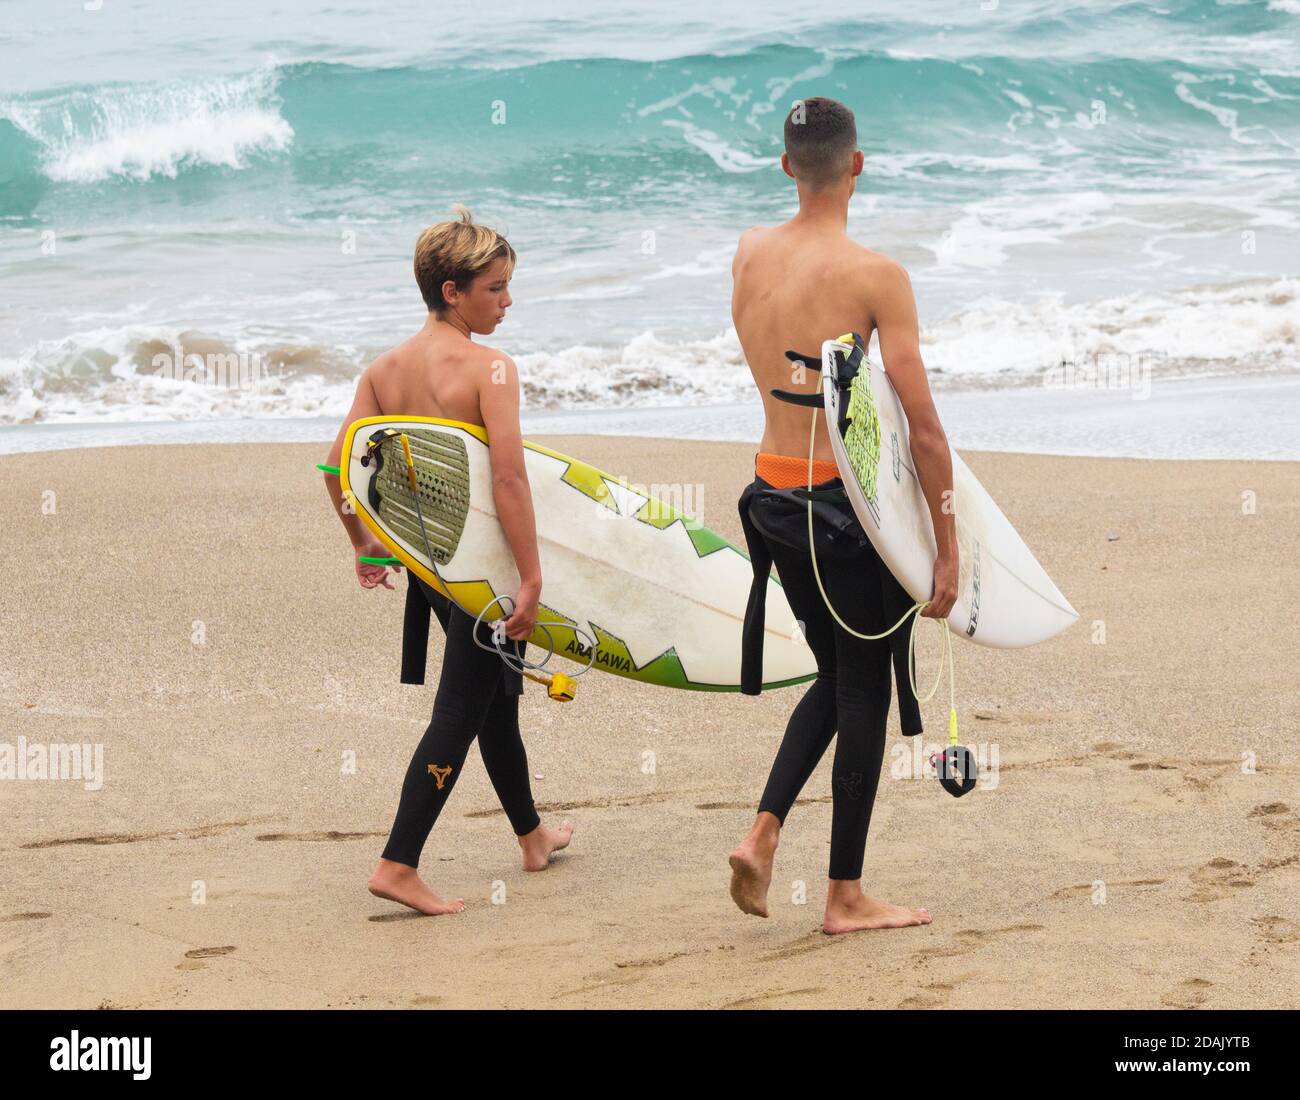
point(663, 596)
point(1004, 596)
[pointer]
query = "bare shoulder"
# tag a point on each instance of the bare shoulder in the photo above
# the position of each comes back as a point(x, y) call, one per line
point(383, 364)
point(881, 279)
point(491, 368)
point(481, 355)
point(749, 239)
point(879, 267)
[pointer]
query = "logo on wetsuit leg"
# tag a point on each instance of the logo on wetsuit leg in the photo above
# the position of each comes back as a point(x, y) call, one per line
point(850, 784)
point(439, 774)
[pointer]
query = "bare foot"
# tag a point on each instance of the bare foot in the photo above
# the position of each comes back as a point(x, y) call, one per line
point(400, 883)
point(848, 909)
point(538, 845)
point(751, 865)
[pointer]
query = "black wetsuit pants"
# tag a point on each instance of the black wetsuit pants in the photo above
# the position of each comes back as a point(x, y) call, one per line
point(471, 702)
point(851, 694)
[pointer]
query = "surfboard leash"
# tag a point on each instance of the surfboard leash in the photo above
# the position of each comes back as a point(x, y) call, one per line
point(559, 686)
point(956, 765)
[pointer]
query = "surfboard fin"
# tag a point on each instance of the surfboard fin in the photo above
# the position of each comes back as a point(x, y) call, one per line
point(808, 400)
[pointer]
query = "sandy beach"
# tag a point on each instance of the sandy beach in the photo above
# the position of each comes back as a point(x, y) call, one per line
point(193, 610)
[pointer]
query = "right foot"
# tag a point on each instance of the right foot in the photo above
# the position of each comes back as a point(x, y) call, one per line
point(751, 871)
point(400, 883)
point(858, 912)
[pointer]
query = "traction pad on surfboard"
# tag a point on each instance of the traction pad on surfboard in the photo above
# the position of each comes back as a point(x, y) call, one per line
point(442, 475)
point(862, 433)
point(862, 440)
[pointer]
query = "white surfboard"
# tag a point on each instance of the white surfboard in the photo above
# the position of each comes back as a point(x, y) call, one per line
point(1004, 596)
point(664, 596)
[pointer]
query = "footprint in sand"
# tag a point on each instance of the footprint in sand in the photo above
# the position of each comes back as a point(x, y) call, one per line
point(750, 805)
point(1084, 889)
point(1204, 776)
point(1280, 930)
point(814, 941)
point(606, 803)
point(935, 994)
point(1193, 993)
point(1018, 717)
point(760, 1000)
point(971, 939)
point(1218, 879)
point(134, 838)
point(653, 960)
point(1276, 815)
point(195, 956)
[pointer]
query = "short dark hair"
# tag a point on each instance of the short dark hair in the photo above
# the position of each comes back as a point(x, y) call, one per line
point(821, 136)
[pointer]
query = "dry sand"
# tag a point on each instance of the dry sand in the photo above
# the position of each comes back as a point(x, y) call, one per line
point(193, 610)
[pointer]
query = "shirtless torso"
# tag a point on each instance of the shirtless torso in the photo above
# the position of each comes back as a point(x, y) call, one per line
point(799, 284)
point(806, 281)
point(441, 372)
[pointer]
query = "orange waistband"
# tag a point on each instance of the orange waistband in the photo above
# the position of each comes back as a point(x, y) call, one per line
point(786, 472)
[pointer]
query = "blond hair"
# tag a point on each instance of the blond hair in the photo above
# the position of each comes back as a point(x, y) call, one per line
point(459, 251)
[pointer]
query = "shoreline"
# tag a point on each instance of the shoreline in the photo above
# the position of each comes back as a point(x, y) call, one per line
point(1247, 418)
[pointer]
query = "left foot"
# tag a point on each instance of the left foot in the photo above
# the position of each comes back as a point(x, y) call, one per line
point(538, 845)
point(751, 866)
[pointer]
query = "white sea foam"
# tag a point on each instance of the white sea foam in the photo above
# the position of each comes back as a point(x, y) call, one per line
point(144, 373)
point(646, 371)
point(143, 131)
point(1205, 330)
point(986, 230)
point(726, 156)
point(107, 374)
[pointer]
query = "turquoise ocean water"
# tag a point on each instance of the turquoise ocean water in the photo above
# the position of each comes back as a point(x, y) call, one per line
point(1077, 185)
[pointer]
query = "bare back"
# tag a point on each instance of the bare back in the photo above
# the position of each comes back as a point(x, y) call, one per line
point(432, 374)
point(440, 372)
point(795, 286)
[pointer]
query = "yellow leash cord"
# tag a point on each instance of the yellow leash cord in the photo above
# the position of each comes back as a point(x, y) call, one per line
point(915, 609)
